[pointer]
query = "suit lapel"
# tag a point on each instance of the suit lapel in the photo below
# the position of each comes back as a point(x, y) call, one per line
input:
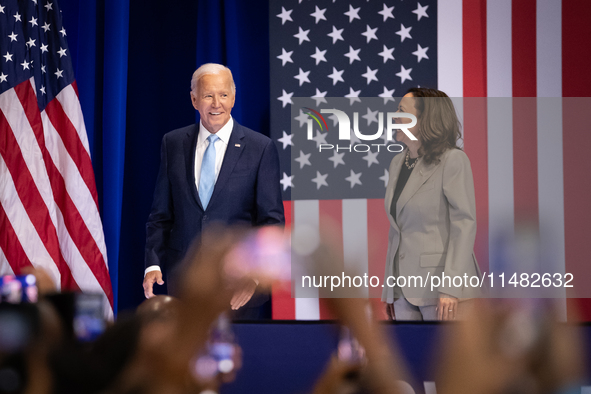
point(393, 179)
point(233, 152)
point(418, 176)
point(189, 148)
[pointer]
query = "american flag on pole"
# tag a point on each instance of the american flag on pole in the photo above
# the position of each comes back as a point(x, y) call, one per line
point(527, 52)
point(49, 214)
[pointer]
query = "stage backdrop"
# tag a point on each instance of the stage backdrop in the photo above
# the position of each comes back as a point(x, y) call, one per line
point(133, 62)
point(526, 155)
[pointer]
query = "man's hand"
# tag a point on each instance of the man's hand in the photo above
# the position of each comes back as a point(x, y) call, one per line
point(447, 307)
point(243, 293)
point(149, 279)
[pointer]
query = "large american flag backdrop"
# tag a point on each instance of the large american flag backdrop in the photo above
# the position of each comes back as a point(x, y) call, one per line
point(49, 214)
point(533, 166)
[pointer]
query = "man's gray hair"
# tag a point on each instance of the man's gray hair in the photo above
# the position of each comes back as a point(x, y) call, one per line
point(210, 68)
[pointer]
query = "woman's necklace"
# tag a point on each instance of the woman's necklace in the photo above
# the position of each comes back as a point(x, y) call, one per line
point(414, 163)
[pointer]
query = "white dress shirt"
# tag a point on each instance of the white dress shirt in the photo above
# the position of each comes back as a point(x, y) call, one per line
point(220, 150)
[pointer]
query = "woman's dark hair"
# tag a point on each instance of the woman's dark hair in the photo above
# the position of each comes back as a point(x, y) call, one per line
point(439, 127)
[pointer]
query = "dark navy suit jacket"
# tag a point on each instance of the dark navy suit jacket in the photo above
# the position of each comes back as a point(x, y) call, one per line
point(247, 192)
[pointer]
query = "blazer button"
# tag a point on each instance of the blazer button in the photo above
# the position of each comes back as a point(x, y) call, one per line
point(401, 256)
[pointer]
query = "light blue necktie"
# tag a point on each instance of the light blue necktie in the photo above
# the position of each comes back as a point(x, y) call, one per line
point(207, 178)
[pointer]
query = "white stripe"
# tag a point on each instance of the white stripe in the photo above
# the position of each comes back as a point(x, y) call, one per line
point(307, 309)
point(306, 213)
point(355, 248)
point(550, 159)
point(5, 268)
point(69, 101)
point(107, 310)
point(500, 172)
point(551, 185)
point(500, 123)
point(498, 49)
point(75, 185)
point(24, 229)
point(12, 108)
point(450, 73)
point(549, 48)
point(450, 57)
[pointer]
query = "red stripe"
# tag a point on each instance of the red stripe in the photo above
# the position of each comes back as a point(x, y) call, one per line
point(476, 147)
point(74, 223)
point(525, 160)
point(283, 303)
point(576, 82)
point(474, 47)
point(331, 222)
point(523, 47)
point(378, 309)
point(10, 245)
point(475, 116)
point(577, 195)
point(31, 198)
point(525, 135)
point(576, 78)
point(74, 146)
point(378, 227)
point(75, 87)
point(324, 309)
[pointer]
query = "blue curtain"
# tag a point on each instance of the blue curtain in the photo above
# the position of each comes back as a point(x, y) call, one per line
point(133, 63)
point(236, 33)
point(102, 80)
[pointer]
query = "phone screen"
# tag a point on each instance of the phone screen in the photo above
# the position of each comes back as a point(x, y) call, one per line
point(89, 322)
point(18, 325)
point(16, 289)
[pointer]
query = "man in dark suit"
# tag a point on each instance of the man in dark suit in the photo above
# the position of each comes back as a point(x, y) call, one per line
point(214, 171)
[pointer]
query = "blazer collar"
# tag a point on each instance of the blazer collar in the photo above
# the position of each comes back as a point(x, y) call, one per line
point(418, 176)
point(235, 148)
point(395, 167)
point(189, 147)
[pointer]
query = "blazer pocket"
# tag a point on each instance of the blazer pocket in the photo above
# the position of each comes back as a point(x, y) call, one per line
point(432, 260)
point(241, 173)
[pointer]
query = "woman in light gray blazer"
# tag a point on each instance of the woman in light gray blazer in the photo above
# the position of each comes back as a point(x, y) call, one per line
point(430, 204)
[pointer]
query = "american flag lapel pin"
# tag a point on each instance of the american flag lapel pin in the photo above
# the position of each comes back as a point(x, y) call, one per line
point(237, 145)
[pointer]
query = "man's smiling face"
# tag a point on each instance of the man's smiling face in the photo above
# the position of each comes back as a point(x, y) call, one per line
point(214, 99)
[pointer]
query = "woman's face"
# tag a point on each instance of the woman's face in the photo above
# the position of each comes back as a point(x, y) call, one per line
point(407, 104)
